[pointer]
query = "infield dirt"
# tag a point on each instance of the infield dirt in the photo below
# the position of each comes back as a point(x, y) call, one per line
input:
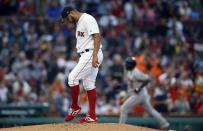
point(80, 127)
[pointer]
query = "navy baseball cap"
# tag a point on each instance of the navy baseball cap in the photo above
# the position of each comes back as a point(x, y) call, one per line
point(130, 63)
point(66, 11)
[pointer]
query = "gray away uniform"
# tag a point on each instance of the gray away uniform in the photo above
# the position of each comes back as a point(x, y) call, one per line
point(135, 80)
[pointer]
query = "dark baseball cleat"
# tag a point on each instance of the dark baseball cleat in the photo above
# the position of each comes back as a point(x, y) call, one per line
point(72, 114)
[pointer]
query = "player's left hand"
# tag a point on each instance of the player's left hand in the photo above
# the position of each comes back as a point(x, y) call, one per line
point(95, 62)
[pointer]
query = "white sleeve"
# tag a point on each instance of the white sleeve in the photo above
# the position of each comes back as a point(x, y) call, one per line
point(91, 25)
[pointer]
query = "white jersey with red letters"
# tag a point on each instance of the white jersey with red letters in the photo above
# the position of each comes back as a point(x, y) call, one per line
point(86, 26)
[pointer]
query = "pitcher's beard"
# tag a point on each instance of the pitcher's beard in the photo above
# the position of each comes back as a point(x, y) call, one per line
point(74, 22)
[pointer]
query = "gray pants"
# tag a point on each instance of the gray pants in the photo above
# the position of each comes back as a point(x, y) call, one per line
point(144, 100)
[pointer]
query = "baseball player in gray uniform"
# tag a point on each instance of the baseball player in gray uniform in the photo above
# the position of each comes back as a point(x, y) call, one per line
point(88, 45)
point(137, 82)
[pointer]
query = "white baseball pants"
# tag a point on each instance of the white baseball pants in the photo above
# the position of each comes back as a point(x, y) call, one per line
point(85, 71)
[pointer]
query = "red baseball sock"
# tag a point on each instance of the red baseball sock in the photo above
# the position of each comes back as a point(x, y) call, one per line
point(92, 102)
point(75, 90)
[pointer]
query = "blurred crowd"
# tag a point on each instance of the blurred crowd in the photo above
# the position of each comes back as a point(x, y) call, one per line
point(37, 52)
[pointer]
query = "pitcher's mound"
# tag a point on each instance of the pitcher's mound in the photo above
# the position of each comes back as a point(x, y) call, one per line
point(80, 127)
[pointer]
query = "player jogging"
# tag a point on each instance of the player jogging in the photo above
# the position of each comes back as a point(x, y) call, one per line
point(137, 82)
point(89, 47)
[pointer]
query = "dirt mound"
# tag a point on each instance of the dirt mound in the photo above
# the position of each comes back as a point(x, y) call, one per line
point(80, 127)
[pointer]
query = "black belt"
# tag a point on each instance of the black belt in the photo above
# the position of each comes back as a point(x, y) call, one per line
point(86, 50)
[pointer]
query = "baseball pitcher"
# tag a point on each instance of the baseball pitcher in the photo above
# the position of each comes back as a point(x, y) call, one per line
point(89, 47)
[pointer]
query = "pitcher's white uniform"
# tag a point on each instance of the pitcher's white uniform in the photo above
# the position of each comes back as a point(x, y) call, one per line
point(86, 26)
point(136, 79)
